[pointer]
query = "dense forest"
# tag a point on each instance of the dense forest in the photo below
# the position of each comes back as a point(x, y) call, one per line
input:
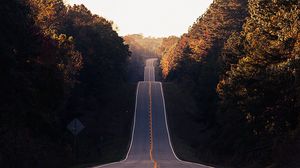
point(141, 48)
point(240, 62)
point(58, 63)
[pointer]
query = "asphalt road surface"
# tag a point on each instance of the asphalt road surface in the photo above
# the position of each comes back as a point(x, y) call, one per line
point(150, 145)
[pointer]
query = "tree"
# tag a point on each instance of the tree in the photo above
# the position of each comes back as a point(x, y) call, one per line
point(205, 40)
point(48, 64)
point(259, 85)
point(167, 49)
point(48, 14)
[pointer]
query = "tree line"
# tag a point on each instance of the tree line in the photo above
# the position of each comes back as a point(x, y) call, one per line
point(57, 62)
point(141, 48)
point(241, 62)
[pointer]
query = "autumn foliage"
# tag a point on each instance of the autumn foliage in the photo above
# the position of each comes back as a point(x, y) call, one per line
point(54, 59)
point(241, 62)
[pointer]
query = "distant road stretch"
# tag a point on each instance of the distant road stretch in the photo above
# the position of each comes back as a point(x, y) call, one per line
point(150, 145)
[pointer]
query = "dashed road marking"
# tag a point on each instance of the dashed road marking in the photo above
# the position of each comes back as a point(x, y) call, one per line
point(151, 127)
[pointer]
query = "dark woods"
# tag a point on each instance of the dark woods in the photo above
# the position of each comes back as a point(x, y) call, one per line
point(241, 62)
point(142, 48)
point(57, 61)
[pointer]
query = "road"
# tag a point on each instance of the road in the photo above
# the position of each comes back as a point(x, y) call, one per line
point(150, 145)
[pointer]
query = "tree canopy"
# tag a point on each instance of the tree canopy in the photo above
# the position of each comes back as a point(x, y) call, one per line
point(241, 61)
point(54, 60)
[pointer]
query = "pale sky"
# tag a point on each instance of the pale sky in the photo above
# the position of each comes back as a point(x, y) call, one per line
point(157, 18)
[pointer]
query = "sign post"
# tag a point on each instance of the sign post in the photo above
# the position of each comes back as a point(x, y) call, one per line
point(75, 127)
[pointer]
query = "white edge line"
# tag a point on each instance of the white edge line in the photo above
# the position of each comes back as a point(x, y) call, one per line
point(170, 142)
point(132, 135)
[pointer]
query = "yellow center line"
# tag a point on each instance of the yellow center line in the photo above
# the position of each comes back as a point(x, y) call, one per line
point(151, 128)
